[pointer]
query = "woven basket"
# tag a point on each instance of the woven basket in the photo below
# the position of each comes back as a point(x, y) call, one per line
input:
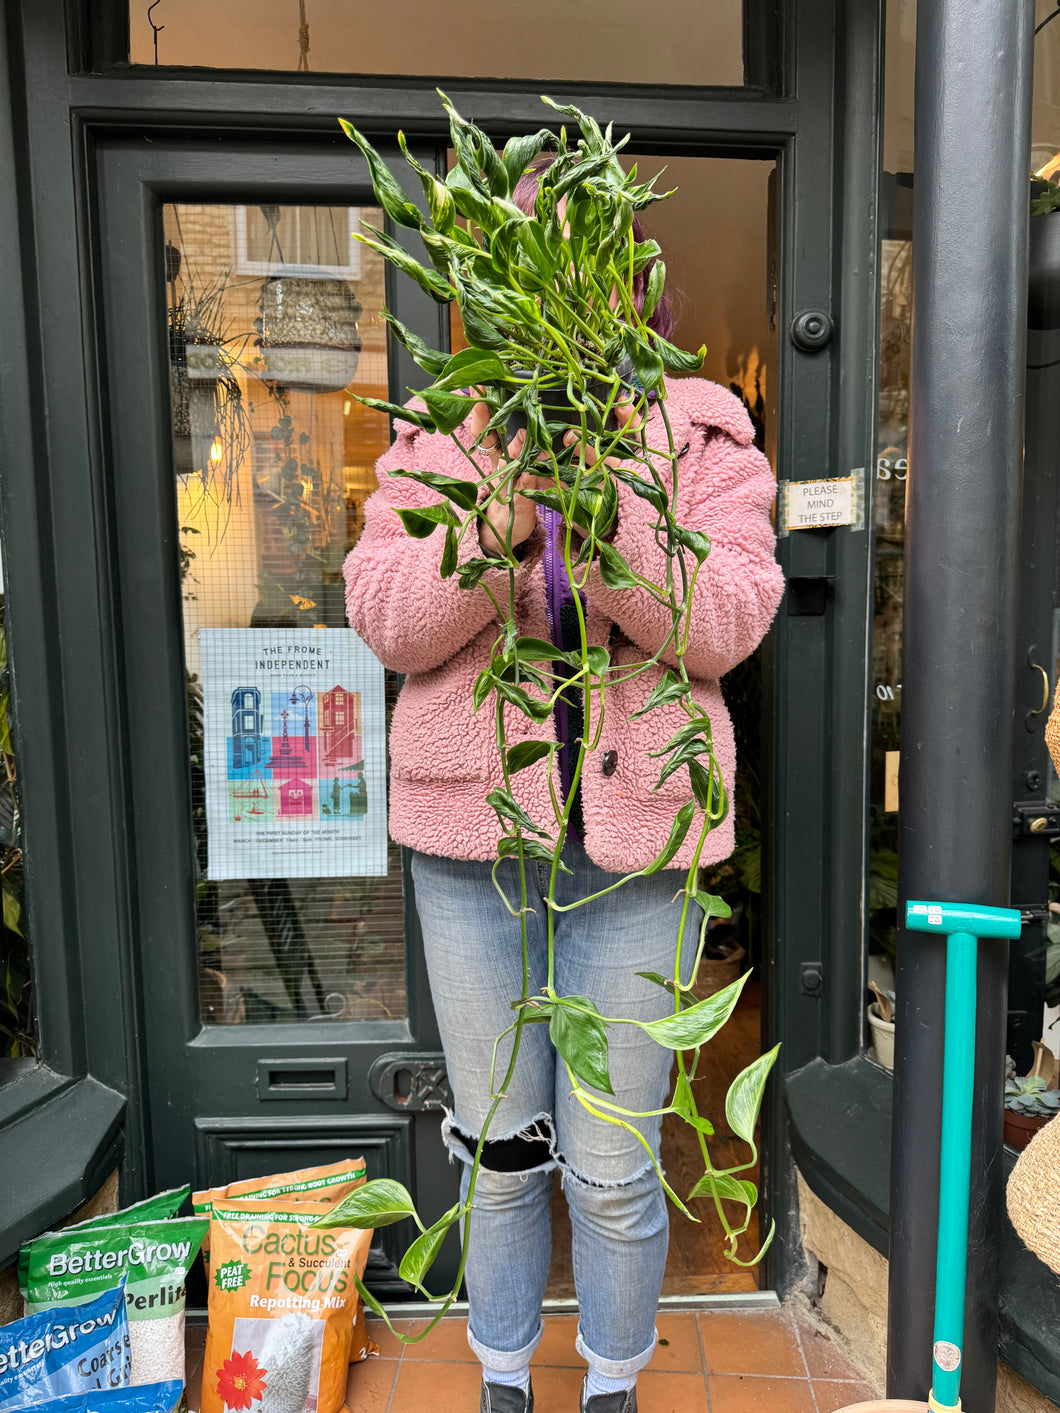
point(885, 1405)
point(1052, 729)
point(1034, 1196)
point(715, 974)
point(309, 337)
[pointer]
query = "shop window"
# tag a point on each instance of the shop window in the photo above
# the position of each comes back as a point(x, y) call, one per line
point(275, 326)
point(892, 468)
point(16, 990)
point(609, 41)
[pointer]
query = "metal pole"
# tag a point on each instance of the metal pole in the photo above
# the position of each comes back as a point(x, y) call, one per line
point(973, 98)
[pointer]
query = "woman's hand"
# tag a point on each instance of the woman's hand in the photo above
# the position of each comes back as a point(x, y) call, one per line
point(493, 531)
point(628, 421)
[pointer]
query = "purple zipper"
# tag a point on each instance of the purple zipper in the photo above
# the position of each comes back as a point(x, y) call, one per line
point(558, 594)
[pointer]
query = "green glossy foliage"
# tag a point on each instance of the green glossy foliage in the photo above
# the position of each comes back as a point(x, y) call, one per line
point(525, 753)
point(697, 1024)
point(578, 1033)
point(375, 1204)
point(744, 1099)
point(464, 493)
point(420, 1256)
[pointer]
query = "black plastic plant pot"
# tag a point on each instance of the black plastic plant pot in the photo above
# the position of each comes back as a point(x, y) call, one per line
point(556, 407)
point(1043, 272)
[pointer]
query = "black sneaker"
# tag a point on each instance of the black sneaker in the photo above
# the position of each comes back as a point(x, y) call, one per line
point(625, 1402)
point(502, 1398)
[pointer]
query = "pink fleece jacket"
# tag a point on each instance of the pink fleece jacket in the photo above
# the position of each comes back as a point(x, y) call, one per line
point(443, 755)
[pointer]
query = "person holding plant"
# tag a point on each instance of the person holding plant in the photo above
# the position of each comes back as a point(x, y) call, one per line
point(580, 778)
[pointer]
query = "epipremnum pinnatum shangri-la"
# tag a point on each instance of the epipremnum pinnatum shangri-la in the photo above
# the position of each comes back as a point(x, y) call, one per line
point(555, 341)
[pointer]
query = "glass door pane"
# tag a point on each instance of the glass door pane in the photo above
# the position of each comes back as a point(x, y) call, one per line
point(274, 324)
point(600, 40)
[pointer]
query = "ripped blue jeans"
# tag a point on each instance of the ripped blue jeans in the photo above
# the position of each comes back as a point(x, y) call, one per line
point(617, 1208)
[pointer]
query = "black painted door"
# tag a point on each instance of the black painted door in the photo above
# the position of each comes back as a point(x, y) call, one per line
point(286, 1016)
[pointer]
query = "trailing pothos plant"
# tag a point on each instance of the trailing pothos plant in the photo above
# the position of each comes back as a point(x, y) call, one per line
point(556, 341)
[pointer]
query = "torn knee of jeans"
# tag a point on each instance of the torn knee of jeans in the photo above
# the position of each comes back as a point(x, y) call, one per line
point(528, 1150)
point(640, 1176)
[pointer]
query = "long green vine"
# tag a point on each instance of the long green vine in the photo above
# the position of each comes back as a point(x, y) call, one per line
point(555, 335)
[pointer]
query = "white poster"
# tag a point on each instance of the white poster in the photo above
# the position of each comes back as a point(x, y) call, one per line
point(295, 746)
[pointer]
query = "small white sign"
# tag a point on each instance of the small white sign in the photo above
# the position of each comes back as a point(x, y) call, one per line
point(947, 1356)
point(815, 505)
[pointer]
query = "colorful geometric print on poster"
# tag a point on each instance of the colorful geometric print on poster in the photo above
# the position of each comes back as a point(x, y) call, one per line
point(295, 754)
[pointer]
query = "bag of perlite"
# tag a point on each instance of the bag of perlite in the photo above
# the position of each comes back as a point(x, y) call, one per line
point(78, 1349)
point(162, 1204)
point(281, 1301)
point(67, 1267)
point(148, 1398)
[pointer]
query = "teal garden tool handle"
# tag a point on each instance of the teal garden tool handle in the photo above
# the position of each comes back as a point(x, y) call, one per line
point(962, 926)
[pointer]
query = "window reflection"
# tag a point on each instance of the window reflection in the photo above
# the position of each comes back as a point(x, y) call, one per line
point(610, 41)
point(274, 322)
point(896, 258)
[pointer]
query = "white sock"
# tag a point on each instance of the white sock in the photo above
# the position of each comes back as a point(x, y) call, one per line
point(598, 1383)
point(514, 1378)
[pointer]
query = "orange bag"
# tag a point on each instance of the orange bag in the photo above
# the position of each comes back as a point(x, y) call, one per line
point(281, 1302)
point(330, 1184)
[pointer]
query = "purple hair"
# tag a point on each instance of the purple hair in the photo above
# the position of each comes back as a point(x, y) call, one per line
point(525, 196)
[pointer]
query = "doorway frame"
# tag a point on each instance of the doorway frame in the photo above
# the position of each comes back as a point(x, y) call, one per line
point(814, 109)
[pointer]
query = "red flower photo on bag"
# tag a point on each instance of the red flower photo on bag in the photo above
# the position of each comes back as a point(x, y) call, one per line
point(240, 1381)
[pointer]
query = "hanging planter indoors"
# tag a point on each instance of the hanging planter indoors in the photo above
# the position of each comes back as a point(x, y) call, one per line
point(309, 339)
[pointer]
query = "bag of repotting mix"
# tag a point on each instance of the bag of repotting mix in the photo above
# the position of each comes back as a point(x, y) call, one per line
point(74, 1265)
point(329, 1183)
point(65, 1350)
point(148, 1398)
point(281, 1304)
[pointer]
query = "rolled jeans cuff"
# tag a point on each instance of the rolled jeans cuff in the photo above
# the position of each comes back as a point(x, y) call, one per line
point(616, 1368)
point(503, 1361)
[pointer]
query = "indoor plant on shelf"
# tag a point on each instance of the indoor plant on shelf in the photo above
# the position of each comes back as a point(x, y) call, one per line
point(881, 1024)
point(1029, 1105)
point(555, 341)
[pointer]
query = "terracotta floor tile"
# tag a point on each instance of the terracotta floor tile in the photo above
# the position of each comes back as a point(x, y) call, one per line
point(370, 1383)
point(390, 1347)
point(732, 1394)
point(752, 1342)
point(426, 1387)
point(557, 1344)
point(668, 1393)
point(832, 1396)
point(824, 1358)
point(447, 1341)
point(681, 1353)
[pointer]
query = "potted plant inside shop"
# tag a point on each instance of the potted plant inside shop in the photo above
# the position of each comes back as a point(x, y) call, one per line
point(549, 350)
point(211, 423)
point(1029, 1105)
point(881, 1023)
point(1030, 1100)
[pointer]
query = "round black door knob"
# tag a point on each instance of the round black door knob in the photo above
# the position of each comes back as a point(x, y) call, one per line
point(811, 330)
point(610, 762)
